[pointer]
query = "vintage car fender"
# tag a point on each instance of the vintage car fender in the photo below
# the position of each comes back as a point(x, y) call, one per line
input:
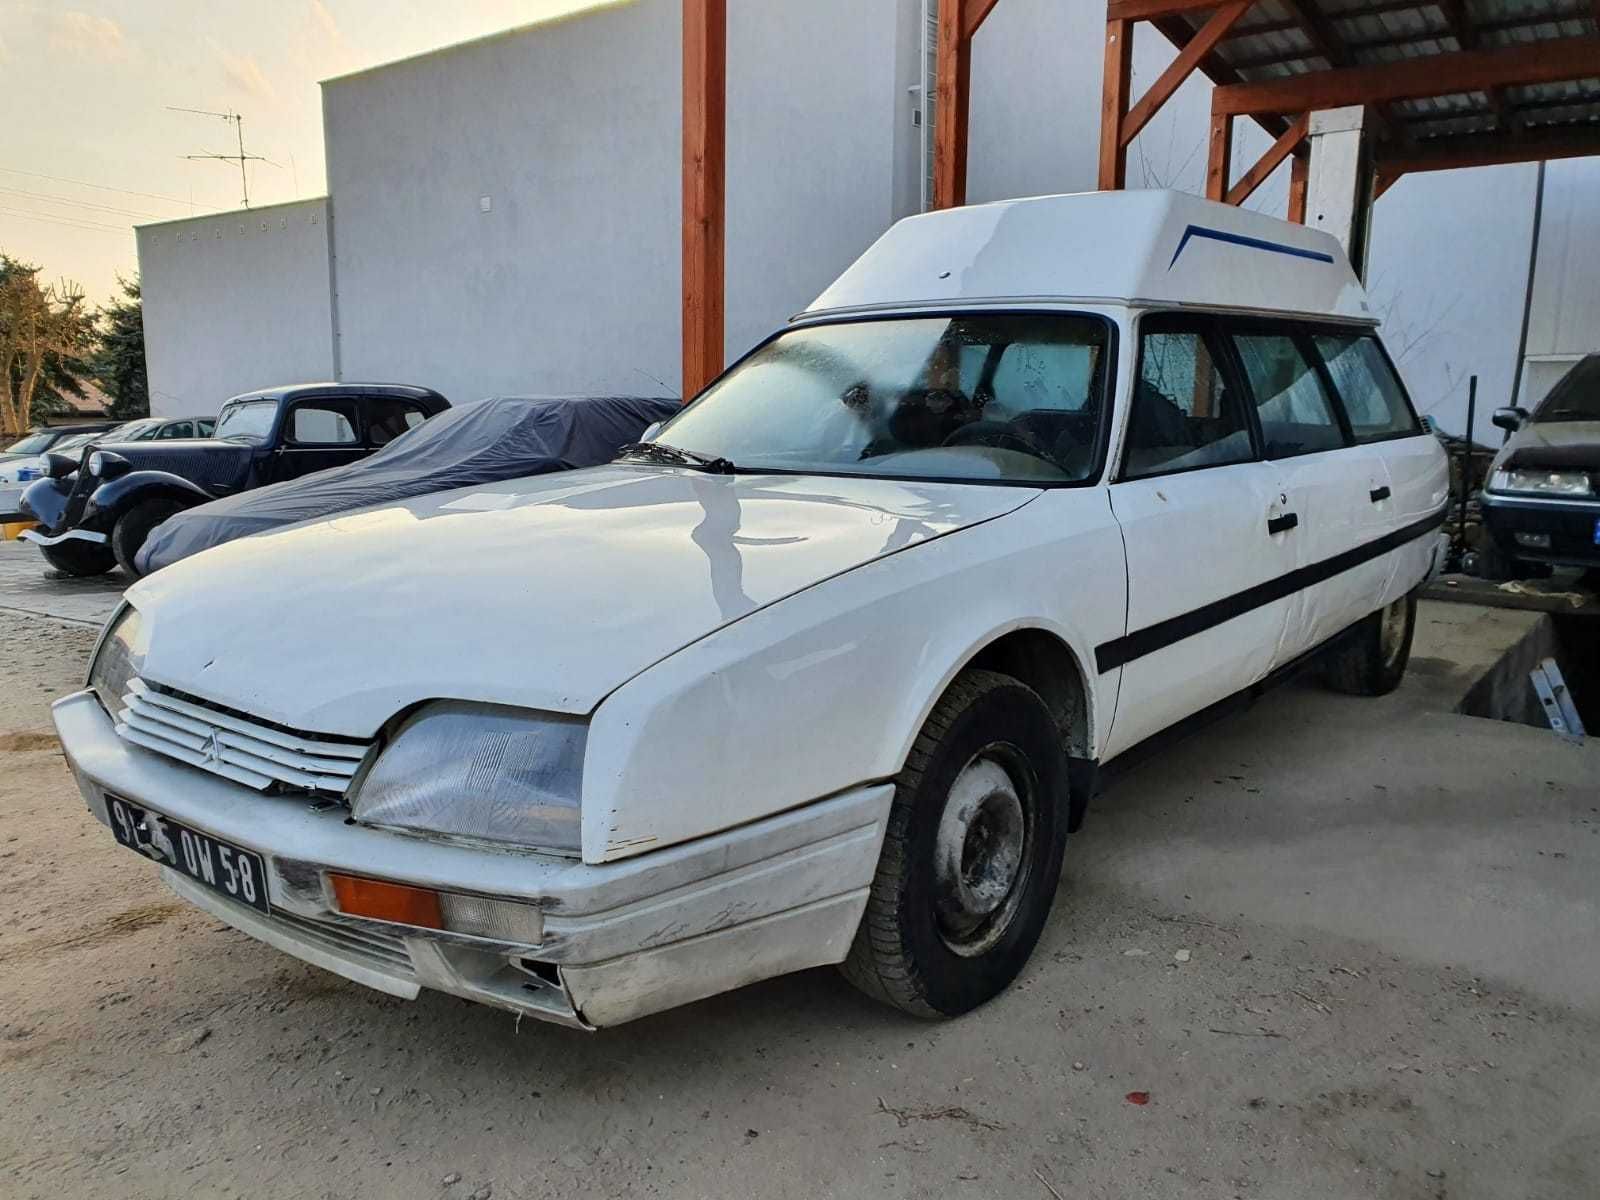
point(828, 689)
point(116, 496)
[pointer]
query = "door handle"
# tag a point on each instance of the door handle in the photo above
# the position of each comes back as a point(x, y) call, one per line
point(1282, 524)
point(1379, 493)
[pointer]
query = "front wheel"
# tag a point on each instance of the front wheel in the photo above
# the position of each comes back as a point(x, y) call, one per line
point(75, 557)
point(972, 854)
point(1372, 659)
point(134, 526)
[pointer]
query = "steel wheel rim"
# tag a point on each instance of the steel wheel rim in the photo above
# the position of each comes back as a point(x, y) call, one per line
point(981, 850)
point(1392, 632)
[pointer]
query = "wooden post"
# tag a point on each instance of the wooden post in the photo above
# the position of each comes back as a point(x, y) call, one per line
point(1270, 161)
point(705, 73)
point(952, 98)
point(1299, 185)
point(1114, 105)
point(1219, 167)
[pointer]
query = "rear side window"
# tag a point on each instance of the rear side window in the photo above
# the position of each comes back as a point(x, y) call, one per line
point(1297, 416)
point(322, 423)
point(1184, 414)
point(1373, 398)
point(388, 417)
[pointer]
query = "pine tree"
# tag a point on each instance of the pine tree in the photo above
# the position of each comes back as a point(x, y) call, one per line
point(117, 363)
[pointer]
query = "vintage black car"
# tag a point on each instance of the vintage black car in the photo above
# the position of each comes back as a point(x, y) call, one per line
point(95, 511)
point(1541, 505)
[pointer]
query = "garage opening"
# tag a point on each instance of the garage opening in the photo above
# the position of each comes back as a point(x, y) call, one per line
point(1522, 688)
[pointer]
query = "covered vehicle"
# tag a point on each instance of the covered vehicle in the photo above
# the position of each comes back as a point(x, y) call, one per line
point(505, 437)
point(96, 509)
point(1542, 501)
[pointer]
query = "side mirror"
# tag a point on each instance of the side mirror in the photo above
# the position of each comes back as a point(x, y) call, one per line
point(1510, 418)
point(651, 430)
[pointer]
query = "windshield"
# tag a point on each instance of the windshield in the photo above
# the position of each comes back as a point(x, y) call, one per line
point(1576, 397)
point(34, 443)
point(74, 442)
point(1005, 397)
point(137, 431)
point(248, 421)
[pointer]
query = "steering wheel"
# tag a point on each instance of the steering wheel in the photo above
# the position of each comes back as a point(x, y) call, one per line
point(999, 434)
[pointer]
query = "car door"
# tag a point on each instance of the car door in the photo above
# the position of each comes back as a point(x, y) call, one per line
point(1201, 519)
point(1327, 481)
point(1410, 477)
point(318, 432)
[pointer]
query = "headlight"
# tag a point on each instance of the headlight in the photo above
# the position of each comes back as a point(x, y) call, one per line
point(120, 658)
point(97, 463)
point(1548, 483)
point(480, 771)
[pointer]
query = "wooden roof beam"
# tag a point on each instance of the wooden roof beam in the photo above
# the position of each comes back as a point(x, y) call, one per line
point(1270, 161)
point(1485, 150)
point(1181, 67)
point(1553, 61)
point(1459, 21)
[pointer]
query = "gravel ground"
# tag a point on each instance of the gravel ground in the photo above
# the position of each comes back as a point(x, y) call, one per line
point(1330, 948)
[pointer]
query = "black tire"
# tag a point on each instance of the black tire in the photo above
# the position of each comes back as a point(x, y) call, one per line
point(134, 526)
point(1372, 658)
point(926, 944)
point(80, 558)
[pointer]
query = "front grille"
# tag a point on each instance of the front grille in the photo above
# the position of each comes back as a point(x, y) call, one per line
point(373, 947)
point(256, 755)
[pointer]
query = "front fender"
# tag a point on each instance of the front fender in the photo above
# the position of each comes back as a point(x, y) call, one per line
point(828, 689)
point(116, 496)
point(45, 501)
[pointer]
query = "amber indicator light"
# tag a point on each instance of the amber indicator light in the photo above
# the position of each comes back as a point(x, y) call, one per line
point(387, 901)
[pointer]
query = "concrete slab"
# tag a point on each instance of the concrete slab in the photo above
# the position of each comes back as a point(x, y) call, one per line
point(1336, 948)
point(28, 584)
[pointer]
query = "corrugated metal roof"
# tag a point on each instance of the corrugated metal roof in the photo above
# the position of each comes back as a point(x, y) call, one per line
point(1282, 38)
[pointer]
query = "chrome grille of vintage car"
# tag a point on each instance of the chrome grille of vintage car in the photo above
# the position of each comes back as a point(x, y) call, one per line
point(245, 751)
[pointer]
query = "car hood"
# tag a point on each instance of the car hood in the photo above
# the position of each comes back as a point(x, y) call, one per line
point(1553, 445)
point(545, 593)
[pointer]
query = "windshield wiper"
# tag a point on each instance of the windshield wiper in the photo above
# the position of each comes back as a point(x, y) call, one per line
point(677, 457)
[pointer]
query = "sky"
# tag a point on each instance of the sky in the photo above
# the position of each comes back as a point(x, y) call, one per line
point(89, 146)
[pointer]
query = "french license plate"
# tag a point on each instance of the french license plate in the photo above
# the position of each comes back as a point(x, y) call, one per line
point(224, 868)
point(1597, 531)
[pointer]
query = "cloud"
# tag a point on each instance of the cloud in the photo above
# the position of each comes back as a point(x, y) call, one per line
point(84, 33)
point(325, 22)
point(245, 73)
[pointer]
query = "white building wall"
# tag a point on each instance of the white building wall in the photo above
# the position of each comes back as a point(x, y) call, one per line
point(1564, 320)
point(570, 133)
point(235, 302)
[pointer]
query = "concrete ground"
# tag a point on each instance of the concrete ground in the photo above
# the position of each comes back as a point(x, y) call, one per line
point(28, 584)
point(1347, 948)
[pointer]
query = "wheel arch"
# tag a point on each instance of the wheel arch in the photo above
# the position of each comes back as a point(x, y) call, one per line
point(1043, 661)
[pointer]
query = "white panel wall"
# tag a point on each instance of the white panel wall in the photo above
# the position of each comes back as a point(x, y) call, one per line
point(569, 283)
point(235, 302)
point(1448, 273)
point(1564, 322)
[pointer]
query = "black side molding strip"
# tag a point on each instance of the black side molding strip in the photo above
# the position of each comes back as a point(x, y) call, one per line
point(1123, 650)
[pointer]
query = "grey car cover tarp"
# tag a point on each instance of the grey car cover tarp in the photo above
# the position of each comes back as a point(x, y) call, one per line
point(505, 437)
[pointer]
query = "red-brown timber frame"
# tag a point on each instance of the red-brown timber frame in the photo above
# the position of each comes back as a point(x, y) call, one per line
point(1281, 106)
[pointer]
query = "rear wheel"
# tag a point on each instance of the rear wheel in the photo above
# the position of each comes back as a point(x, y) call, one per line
point(972, 854)
point(76, 557)
point(1372, 660)
point(134, 526)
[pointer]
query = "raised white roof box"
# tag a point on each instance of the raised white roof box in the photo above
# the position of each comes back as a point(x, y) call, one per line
point(1143, 247)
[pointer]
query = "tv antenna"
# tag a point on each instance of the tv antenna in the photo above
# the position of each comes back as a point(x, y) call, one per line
point(237, 121)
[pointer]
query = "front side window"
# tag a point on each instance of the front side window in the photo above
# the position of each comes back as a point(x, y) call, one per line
point(1373, 398)
point(1005, 397)
point(1183, 413)
point(1297, 416)
point(248, 421)
point(322, 424)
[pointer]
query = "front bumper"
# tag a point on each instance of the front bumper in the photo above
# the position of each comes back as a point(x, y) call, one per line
point(620, 940)
point(1571, 525)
